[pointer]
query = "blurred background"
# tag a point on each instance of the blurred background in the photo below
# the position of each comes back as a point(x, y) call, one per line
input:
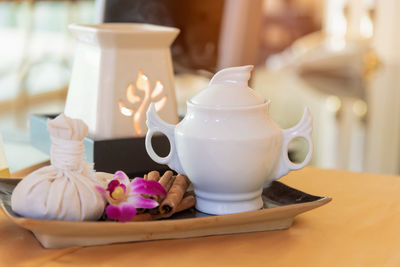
point(339, 57)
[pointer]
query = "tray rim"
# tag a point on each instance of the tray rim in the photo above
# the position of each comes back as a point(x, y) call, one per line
point(51, 232)
point(307, 205)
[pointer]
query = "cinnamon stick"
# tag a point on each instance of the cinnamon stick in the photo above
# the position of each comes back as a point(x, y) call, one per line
point(153, 176)
point(175, 194)
point(166, 179)
point(170, 183)
point(187, 202)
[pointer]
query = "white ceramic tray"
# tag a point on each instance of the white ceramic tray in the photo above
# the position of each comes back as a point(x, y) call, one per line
point(281, 204)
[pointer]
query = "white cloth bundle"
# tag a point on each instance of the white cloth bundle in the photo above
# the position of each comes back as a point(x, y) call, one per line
point(65, 190)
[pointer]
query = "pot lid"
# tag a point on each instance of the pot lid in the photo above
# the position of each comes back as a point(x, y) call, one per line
point(229, 88)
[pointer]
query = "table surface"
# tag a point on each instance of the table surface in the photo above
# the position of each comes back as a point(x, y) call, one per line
point(360, 227)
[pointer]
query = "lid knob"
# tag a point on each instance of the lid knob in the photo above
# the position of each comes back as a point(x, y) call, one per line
point(236, 75)
point(228, 88)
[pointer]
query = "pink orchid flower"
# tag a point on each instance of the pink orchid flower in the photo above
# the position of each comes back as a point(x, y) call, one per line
point(124, 197)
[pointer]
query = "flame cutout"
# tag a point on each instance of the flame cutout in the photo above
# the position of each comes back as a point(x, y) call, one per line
point(131, 96)
point(124, 110)
point(142, 82)
point(136, 122)
point(157, 95)
point(160, 104)
point(157, 90)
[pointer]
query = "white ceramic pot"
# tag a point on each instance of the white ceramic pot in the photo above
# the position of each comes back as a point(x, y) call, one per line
point(119, 68)
point(227, 144)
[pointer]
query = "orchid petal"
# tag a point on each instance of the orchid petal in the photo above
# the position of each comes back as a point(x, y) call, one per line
point(113, 212)
point(124, 197)
point(121, 176)
point(127, 213)
point(101, 190)
point(112, 185)
point(140, 202)
point(123, 187)
point(142, 186)
point(121, 213)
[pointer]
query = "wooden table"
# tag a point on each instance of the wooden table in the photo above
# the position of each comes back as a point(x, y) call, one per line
point(360, 227)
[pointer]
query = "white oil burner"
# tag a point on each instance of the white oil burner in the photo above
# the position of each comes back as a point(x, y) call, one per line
point(118, 70)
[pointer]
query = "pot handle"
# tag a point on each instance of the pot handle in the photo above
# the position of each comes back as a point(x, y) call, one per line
point(156, 124)
point(304, 130)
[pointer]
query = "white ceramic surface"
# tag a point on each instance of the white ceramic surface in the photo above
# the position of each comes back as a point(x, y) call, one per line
point(108, 58)
point(227, 144)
